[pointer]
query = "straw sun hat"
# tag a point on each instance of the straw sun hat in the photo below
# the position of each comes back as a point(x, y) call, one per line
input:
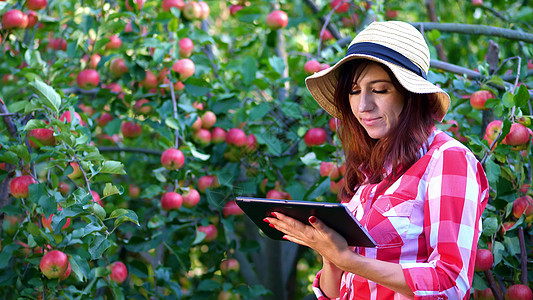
point(397, 45)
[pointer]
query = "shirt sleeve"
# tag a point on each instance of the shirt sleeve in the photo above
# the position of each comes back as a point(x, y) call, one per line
point(457, 192)
point(316, 288)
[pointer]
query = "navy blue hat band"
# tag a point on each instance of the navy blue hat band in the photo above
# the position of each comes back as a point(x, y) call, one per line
point(386, 54)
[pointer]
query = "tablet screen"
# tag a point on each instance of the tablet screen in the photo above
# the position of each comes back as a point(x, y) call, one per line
point(334, 215)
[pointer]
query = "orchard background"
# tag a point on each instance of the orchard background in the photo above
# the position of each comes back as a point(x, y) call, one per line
point(128, 127)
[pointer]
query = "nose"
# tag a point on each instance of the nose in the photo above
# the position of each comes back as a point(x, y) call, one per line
point(365, 102)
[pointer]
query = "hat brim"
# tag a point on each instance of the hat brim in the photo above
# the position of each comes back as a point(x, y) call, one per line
point(322, 85)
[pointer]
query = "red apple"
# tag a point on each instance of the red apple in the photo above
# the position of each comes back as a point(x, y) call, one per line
point(335, 187)
point(454, 126)
point(236, 136)
point(518, 292)
point(477, 2)
point(88, 79)
point(114, 42)
point(47, 222)
point(119, 272)
point(341, 8)
point(204, 10)
point(311, 66)
point(63, 188)
point(207, 181)
point(67, 272)
point(233, 9)
point(57, 44)
point(391, 14)
point(197, 124)
point(186, 46)
point(142, 107)
point(277, 19)
point(315, 137)
point(149, 81)
point(523, 205)
point(208, 119)
point(218, 135)
point(251, 144)
point(32, 19)
point(192, 11)
point(274, 194)
point(191, 198)
point(479, 98)
point(118, 67)
point(167, 4)
point(134, 190)
point(93, 61)
point(202, 136)
point(484, 260)
point(493, 129)
point(485, 294)
point(36, 4)
point(104, 118)
point(138, 4)
point(329, 169)
point(172, 159)
point(231, 208)
point(54, 264)
point(210, 231)
point(171, 201)
point(14, 19)
point(198, 105)
point(41, 137)
point(229, 265)
point(332, 124)
point(326, 36)
point(66, 117)
point(324, 66)
point(518, 135)
point(350, 22)
point(19, 186)
point(130, 129)
point(184, 67)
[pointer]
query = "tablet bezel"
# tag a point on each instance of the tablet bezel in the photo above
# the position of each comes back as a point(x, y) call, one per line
point(334, 215)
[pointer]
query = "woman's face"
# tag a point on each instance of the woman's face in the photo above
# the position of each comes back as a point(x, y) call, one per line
point(375, 101)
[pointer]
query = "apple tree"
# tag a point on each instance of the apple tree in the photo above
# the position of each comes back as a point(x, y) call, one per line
point(128, 128)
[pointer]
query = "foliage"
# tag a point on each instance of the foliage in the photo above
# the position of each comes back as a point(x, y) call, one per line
point(251, 78)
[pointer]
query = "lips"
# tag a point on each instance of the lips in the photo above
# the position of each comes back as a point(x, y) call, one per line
point(370, 121)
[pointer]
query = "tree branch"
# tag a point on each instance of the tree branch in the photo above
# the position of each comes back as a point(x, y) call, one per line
point(137, 150)
point(331, 27)
point(430, 5)
point(476, 30)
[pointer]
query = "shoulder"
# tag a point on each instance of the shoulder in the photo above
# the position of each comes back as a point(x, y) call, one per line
point(442, 142)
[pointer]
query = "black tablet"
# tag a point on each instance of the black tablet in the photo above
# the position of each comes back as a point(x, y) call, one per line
point(334, 215)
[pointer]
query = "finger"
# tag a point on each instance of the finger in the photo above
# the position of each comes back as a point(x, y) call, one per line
point(294, 239)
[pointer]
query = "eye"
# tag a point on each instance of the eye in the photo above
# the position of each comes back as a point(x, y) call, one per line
point(355, 92)
point(380, 91)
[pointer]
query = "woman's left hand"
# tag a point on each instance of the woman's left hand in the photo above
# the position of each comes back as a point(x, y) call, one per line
point(318, 236)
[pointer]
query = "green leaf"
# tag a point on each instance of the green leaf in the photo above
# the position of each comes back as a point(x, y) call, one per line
point(248, 70)
point(200, 156)
point(110, 189)
point(522, 96)
point(273, 143)
point(259, 111)
point(7, 252)
point(318, 189)
point(291, 109)
point(47, 95)
point(34, 124)
point(490, 226)
point(124, 215)
point(113, 167)
point(9, 157)
point(98, 246)
point(508, 100)
point(493, 172)
point(173, 123)
point(208, 285)
point(277, 64)
point(22, 152)
point(499, 252)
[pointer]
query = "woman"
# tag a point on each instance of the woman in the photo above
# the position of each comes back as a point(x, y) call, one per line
point(419, 192)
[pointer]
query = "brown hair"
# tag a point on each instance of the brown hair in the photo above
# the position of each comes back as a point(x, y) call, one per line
point(366, 158)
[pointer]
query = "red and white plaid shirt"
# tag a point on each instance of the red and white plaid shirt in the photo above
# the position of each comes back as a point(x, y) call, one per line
point(428, 221)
